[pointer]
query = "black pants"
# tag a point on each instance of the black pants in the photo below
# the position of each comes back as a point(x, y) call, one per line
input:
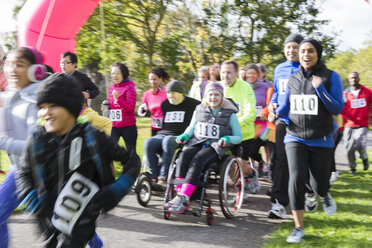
point(129, 135)
point(337, 138)
point(272, 150)
point(193, 160)
point(251, 149)
point(280, 177)
point(306, 162)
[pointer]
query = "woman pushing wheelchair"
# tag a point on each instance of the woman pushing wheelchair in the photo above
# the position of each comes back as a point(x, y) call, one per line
point(213, 127)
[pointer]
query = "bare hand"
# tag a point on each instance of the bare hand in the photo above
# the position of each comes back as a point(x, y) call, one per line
point(316, 81)
point(115, 94)
point(272, 107)
point(263, 117)
point(86, 94)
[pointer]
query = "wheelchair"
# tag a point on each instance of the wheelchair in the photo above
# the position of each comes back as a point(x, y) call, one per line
point(227, 173)
point(144, 187)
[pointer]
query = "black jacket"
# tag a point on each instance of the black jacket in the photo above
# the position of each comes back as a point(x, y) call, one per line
point(86, 84)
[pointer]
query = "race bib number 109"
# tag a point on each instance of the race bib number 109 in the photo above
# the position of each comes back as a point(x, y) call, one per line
point(72, 201)
point(207, 130)
point(304, 104)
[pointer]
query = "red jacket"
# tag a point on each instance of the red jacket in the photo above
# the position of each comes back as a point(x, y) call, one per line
point(125, 104)
point(356, 110)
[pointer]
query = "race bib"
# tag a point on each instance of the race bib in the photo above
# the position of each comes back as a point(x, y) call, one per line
point(358, 103)
point(207, 130)
point(115, 115)
point(72, 201)
point(157, 122)
point(282, 86)
point(174, 117)
point(304, 104)
point(258, 111)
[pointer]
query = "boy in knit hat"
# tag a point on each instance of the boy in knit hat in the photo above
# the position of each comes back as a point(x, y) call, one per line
point(65, 172)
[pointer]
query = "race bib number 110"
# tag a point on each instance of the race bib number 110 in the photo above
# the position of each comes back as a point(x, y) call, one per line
point(304, 104)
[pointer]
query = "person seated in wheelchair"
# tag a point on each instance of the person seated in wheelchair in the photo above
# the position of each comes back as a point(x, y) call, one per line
point(213, 128)
point(177, 110)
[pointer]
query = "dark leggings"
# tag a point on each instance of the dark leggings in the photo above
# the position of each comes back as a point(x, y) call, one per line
point(337, 138)
point(307, 162)
point(251, 149)
point(129, 135)
point(193, 161)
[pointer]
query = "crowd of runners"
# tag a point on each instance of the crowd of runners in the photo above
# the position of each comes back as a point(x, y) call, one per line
point(62, 151)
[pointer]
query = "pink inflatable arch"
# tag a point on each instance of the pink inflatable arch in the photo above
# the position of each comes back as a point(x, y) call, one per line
point(51, 26)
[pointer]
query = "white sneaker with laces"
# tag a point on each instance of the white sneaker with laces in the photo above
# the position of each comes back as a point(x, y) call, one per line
point(277, 211)
point(180, 205)
point(329, 205)
point(253, 182)
point(311, 203)
point(296, 235)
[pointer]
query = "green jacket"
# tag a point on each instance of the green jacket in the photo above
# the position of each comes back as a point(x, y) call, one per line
point(243, 95)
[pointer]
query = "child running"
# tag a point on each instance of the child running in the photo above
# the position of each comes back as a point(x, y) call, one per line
point(65, 172)
point(213, 127)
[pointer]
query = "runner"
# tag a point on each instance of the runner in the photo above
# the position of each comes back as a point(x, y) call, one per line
point(358, 100)
point(198, 86)
point(122, 99)
point(313, 94)
point(153, 98)
point(213, 127)
point(66, 173)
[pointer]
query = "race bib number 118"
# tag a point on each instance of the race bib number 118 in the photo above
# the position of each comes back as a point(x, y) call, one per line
point(207, 130)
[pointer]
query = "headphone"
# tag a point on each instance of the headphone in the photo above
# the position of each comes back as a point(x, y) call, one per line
point(37, 71)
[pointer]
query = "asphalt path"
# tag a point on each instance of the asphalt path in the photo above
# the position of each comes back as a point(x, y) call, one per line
point(131, 225)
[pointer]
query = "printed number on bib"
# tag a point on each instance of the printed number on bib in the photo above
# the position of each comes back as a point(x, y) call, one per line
point(358, 103)
point(157, 122)
point(304, 104)
point(72, 201)
point(282, 86)
point(174, 117)
point(258, 111)
point(115, 115)
point(207, 130)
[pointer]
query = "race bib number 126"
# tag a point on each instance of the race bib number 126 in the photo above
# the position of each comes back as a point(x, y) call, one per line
point(304, 104)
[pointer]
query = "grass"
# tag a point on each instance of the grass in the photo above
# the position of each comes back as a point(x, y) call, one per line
point(351, 226)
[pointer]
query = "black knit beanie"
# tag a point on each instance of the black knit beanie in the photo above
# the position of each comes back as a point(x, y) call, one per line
point(293, 38)
point(62, 90)
point(316, 44)
point(175, 86)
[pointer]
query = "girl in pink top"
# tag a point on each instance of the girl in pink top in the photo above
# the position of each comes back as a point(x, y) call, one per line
point(122, 100)
point(153, 98)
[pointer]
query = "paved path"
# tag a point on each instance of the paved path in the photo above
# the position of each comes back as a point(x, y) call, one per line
point(131, 225)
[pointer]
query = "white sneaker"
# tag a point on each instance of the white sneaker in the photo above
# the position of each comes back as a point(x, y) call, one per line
point(181, 204)
point(296, 235)
point(311, 203)
point(329, 205)
point(334, 176)
point(253, 182)
point(277, 211)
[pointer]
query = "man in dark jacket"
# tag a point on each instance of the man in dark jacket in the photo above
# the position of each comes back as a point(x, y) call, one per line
point(68, 65)
point(66, 168)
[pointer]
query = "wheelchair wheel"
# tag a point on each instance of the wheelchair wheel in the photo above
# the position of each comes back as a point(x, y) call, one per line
point(231, 186)
point(209, 216)
point(144, 190)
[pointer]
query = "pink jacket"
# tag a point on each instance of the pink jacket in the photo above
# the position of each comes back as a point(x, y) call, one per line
point(154, 101)
point(124, 115)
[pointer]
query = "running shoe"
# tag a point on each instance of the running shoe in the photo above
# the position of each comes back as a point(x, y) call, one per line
point(253, 183)
point(329, 205)
point(296, 235)
point(365, 164)
point(311, 203)
point(352, 172)
point(246, 188)
point(180, 204)
point(334, 176)
point(277, 211)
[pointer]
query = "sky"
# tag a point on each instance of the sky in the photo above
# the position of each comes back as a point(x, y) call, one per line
point(351, 18)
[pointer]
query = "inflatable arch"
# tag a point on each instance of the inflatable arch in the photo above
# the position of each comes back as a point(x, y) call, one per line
point(51, 26)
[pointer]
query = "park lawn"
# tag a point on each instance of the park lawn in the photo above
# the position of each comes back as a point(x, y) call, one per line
point(351, 226)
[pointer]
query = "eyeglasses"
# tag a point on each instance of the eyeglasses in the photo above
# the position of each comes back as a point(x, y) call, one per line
point(64, 63)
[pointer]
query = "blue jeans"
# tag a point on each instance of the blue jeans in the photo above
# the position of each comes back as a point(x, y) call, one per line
point(8, 202)
point(155, 145)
